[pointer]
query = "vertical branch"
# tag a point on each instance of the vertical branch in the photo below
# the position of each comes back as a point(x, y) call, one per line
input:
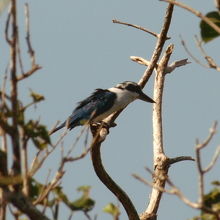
point(3, 150)
point(16, 168)
point(24, 161)
point(161, 162)
point(159, 46)
point(3, 172)
point(201, 171)
point(27, 26)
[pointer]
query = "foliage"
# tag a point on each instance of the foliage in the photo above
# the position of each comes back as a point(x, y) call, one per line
point(113, 210)
point(207, 32)
point(212, 201)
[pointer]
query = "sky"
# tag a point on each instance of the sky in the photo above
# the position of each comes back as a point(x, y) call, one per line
point(80, 49)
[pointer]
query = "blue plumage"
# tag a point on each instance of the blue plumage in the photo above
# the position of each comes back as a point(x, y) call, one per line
point(102, 103)
point(86, 110)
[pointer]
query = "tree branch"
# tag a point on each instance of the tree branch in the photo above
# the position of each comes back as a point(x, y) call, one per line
point(201, 172)
point(138, 27)
point(24, 205)
point(170, 68)
point(195, 12)
point(16, 166)
point(159, 46)
point(29, 73)
point(99, 136)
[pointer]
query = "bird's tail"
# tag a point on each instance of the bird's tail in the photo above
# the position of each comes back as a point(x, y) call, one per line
point(57, 128)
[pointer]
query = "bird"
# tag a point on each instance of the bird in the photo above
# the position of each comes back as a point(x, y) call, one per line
point(102, 103)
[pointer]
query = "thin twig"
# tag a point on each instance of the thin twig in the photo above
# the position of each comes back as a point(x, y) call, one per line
point(201, 172)
point(7, 27)
point(190, 54)
point(29, 73)
point(213, 161)
point(195, 12)
point(28, 38)
point(159, 46)
point(179, 159)
point(211, 63)
point(138, 27)
point(170, 68)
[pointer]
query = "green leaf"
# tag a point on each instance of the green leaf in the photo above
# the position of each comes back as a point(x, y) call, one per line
point(36, 97)
point(212, 198)
point(112, 210)
point(83, 203)
point(216, 183)
point(38, 134)
point(207, 32)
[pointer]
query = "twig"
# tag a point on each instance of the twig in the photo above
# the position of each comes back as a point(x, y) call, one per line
point(51, 185)
point(159, 46)
point(24, 205)
point(7, 27)
point(170, 68)
point(213, 161)
point(28, 39)
point(211, 63)
point(195, 12)
point(201, 172)
point(190, 54)
point(29, 73)
point(24, 156)
point(138, 27)
point(179, 159)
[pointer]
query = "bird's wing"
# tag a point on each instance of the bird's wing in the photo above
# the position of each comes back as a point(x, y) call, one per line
point(99, 101)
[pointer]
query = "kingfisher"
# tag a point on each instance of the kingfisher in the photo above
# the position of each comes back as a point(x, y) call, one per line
point(102, 103)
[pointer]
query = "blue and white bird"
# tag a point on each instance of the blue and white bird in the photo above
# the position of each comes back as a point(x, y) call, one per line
point(102, 103)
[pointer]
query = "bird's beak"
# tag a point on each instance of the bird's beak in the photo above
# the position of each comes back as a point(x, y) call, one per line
point(145, 98)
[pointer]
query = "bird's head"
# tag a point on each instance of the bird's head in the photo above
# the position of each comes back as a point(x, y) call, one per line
point(135, 90)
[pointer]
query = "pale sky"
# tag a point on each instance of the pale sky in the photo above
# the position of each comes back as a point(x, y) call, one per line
point(80, 49)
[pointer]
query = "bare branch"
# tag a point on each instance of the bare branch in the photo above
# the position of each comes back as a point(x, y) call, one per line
point(29, 73)
point(50, 186)
point(99, 136)
point(7, 27)
point(170, 68)
point(16, 166)
point(28, 38)
point(159, 46)
point(161, 162)
point(198, 149)
point(211, 63)
point(138, 27)
point(212, 132)
point(195, 12)
point(190, 54)
point(179, 159)
point(24, 205)
point(173, 191)
point(213, 161)
point(141, 61)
